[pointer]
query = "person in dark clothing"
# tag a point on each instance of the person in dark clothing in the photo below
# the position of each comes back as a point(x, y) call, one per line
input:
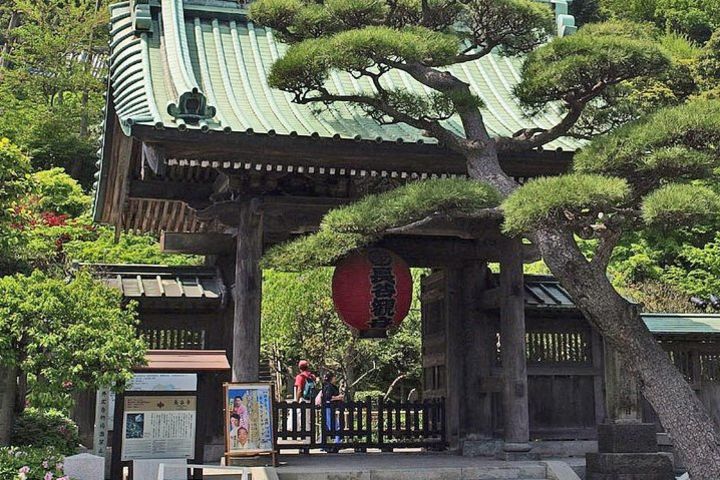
point(331, 398)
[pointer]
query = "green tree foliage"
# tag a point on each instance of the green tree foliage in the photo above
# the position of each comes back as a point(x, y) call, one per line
point(352, 227)
point(59, 193)
point(52, 71)
point(46, 428)
point(66, 336)
point(557, 200)
point(695, 18)
point(671, 212)
point(299, 322)
point(16, 184)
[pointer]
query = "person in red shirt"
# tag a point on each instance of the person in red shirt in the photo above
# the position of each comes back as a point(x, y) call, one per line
point(301, 381)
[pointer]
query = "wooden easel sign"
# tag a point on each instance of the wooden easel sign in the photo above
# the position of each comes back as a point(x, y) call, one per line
point(248, 420)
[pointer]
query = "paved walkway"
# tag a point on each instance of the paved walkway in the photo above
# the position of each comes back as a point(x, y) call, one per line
point(400, 466)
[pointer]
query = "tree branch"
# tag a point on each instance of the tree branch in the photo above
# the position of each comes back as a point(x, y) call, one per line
point(533, 138)
point(605, 248)
point(392, 385)
point(433, 128)
point(374, 367)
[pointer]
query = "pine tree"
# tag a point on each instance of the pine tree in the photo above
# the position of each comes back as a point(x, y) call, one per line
point(641, 176)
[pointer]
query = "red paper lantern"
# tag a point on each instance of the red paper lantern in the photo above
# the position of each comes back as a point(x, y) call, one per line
point(372, 291)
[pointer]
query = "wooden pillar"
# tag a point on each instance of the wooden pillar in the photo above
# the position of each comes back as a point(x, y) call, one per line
point(454, 356)
point(512, 341)
point(247, 295)
point(622, 395)
point(479, 350)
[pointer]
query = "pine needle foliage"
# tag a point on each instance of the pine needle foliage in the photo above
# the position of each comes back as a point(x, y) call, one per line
point(572, 67)
point(680, 204)
point(355, 226)
point(678, 142)
point(555, 200)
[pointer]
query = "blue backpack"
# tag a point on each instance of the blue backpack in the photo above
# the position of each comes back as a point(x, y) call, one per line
point(310, 389)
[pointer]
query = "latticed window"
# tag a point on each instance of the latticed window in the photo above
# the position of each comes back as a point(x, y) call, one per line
point(174, 338)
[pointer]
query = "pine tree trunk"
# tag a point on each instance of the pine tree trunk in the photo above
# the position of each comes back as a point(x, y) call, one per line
point(684, 417)
point(694, 434)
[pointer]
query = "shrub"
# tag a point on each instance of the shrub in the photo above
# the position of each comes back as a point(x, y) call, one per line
point(59, 193)
point(361, 395)
point(47, 428)
point(28, 463)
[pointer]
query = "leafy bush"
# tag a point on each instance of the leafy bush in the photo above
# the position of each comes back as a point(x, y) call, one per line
point(59, 193)
point(27, 463)
point(46, 429)
point(361, 395)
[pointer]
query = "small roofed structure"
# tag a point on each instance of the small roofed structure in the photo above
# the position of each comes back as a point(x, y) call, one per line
point(166, 287)
point(185, 361)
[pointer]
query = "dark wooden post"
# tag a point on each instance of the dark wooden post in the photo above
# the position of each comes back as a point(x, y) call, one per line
point(247, 295)
point(622, 395)
point(454, 356)
point(512, 342)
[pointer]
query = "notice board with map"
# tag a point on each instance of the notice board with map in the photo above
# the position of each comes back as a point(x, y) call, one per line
point(159, 427)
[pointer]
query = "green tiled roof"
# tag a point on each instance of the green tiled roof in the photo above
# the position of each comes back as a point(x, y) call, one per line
point(172, 51)
point(544, 291)
point(682, 323)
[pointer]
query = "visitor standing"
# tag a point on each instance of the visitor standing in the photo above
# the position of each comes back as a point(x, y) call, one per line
point(304, 391)
point(305, 383)
point(331, 399)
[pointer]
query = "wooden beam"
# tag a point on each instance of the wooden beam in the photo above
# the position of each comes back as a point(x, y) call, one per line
point(295, 212)
point(247, 296)
point(512, 345)
point(422, 252)
point(197, 243)
point(349, 154)
point(196, 194)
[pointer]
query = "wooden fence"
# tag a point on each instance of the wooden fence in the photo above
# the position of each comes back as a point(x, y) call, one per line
point(361, 425)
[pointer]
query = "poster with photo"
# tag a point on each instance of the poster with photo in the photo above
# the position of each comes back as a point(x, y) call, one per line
point(159, 427)
point(248, 418)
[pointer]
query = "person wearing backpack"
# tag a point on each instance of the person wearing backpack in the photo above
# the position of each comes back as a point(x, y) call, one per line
point(305, 390)
point(305, 383)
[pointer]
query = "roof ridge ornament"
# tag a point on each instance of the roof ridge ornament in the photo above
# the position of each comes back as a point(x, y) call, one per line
point(142, 20)
point(191, 107)
point(563, 20)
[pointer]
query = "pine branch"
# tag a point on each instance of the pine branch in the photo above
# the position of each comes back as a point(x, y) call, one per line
point(605, 248)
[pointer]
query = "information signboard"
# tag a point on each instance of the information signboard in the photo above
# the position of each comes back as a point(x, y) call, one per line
point(163, 382)
point(248, 419)
point(159, 427)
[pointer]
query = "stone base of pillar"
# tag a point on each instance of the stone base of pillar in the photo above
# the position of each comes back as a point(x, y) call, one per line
point(517, 456)
point(628, 451)
point(517, 451)
point(629, 466)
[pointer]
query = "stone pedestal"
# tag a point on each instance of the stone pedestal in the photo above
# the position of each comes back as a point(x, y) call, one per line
point(628, 451)
point(148, 469)
point(85, 467)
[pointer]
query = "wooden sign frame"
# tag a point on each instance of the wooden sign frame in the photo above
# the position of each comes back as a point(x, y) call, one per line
point(249, 453)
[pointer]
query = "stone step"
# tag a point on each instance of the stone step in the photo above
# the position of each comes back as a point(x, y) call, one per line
point(521, 472)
